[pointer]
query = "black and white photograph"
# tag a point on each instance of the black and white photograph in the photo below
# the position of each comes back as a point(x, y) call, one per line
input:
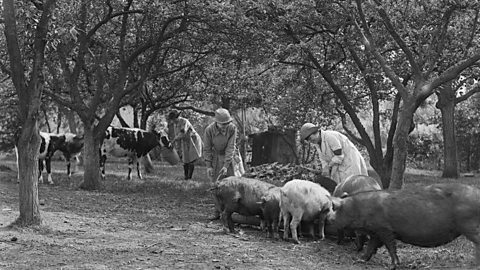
point(210, 134)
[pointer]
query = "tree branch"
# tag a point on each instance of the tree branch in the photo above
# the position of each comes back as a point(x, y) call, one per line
point(468, 94)
point(391, 30)
point(368, 42)
point(195, 109)
point(452, 72)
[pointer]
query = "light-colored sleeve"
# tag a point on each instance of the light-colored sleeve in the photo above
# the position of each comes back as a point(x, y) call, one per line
point(323, 162)
point(334, 143)
point(207, 149)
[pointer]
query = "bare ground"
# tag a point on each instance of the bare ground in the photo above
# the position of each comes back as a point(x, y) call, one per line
point(161, 223)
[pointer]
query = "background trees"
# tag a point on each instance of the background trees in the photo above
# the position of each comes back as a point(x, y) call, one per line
point(370, 52)
point(114, 54)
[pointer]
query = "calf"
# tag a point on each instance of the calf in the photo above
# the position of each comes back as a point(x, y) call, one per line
point(48, 145)
point(133, 143)
point(426, 216)
point(71, 148)
point(303, 200)
point(240, 195)
point(352, 185)
point(70, 145)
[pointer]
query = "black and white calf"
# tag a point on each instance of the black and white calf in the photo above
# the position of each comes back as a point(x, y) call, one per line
point(48, 145)
point(133, 143)
point(69, 144)
point(71, 148)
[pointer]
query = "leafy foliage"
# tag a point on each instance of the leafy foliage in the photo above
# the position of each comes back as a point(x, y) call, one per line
point(8, 117)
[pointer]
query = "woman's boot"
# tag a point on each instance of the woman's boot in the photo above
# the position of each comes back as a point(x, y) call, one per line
point(190, 170)
point(186, 170)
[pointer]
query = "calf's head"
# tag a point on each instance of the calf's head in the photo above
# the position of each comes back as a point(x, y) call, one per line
point(56, 142)
point(73, 143)
point(162, 138)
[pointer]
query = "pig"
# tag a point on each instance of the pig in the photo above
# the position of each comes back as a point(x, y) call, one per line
point(355, 184)
point(240, 195)
point(427, 216)
point(325, 182)
point(270, 205)
point(352, 185)
point(303, 200)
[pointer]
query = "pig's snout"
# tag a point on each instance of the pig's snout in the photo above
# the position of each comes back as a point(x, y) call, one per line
point(331, 217)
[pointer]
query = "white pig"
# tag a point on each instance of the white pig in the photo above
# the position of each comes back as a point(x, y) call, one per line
point(303, 200)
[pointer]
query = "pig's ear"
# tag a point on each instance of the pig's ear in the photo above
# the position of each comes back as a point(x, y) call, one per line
point(336, 203)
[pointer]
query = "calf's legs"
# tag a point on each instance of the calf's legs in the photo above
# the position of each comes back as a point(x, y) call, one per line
point(40, 170)
point(48, 164)
point(103, 160)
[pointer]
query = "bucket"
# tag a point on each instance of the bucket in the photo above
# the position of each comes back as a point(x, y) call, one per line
point(170, 155)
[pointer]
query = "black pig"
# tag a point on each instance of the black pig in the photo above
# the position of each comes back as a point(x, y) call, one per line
point(352, 185)
point(270, 204)
point(427, 216)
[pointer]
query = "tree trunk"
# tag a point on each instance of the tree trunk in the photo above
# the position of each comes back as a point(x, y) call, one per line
point(72, 124)
point(446, 104)
point(91, 160)
point(405, 118)
point(29, 98)
point(384, 172)
point(146, 161)
point(59, 121)
point(28, 151)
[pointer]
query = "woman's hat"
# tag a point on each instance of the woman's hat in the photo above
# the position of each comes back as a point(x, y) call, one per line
point(222, 116)
point(307, 130)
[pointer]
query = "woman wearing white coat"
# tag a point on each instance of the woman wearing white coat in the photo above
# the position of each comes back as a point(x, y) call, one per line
point(339, 157)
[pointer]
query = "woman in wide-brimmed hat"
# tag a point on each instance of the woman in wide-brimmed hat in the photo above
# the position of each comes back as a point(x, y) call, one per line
point(190, 141)
point(220, 152)
point(338, 155)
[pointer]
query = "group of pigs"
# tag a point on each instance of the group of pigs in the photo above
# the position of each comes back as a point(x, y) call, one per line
point(426, 216)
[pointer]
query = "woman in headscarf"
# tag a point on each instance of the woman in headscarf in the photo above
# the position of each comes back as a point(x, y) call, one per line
point(190, 141)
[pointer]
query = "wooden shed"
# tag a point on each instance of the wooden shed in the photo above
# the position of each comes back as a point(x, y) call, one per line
point(274, 145)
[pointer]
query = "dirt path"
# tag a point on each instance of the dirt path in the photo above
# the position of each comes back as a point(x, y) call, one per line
point(160, 223)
